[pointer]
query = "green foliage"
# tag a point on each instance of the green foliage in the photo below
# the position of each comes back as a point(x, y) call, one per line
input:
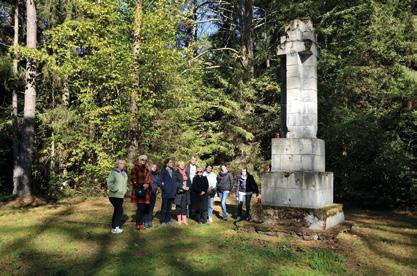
point(367, 96)
point(195, 97)
point(86, 117)
point(366, 123)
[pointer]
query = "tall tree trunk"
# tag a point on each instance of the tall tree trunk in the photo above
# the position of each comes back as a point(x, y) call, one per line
point(246, 33)
point(134, 132)
point(15, 125)
point(193, 30)
point(28, 131)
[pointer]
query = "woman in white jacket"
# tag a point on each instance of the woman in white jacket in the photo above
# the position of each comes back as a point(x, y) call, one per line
point(212, 180)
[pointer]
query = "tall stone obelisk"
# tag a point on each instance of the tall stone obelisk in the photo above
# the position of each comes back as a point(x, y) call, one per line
point(298, 178)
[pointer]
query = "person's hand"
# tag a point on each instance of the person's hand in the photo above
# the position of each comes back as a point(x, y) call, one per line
point(145, 186)
point(185, 188)
point(202, 193)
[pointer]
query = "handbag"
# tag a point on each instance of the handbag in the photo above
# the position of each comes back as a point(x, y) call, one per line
point(212, 192)
point(140, 192)
point(180, 190)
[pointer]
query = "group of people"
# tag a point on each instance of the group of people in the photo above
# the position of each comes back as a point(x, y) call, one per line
point(191, 188)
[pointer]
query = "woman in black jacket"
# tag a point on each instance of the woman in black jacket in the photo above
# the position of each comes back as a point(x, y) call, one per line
point(246, 186)
point(199, 196)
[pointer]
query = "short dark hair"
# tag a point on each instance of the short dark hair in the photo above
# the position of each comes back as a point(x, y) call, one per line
point(167, 160)
point(209, 165)
point(244, 168)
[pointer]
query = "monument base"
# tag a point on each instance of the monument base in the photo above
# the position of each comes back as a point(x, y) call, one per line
point(310, 218)
point(297, 189)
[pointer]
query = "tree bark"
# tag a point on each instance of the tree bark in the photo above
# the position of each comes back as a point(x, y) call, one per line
point(28, 131)
point(15, 124)
point(192, 30)
point(134, 133)
point(246, 33)
point(137, 28)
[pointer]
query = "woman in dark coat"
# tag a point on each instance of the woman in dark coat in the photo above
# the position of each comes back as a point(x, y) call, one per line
point(156, 183)
point(141, 177)
point(246, 186)
point(199, 196)
point(182, 199)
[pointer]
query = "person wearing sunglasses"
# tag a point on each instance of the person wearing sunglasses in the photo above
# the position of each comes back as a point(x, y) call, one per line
point(199, 195)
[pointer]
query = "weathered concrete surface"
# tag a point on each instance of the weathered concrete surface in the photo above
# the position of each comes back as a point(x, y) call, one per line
point(298, 154)
point(300, 49)
point(311, 218)
point(298, 186)
point(297, 189)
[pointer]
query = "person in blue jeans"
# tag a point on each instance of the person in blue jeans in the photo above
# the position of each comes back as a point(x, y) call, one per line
point(224, 186)
point(246, 186)
point(156, 182)
point(212, 180)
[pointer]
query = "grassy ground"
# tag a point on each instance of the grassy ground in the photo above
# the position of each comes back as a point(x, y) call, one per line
point(73, 238)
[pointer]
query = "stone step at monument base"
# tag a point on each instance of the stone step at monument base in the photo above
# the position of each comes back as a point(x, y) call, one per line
point(322, 218)
point(297, 189)
point(298, 154)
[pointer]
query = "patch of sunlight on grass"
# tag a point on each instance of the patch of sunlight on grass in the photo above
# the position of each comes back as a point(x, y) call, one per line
point(75, 239)
point(326, 261)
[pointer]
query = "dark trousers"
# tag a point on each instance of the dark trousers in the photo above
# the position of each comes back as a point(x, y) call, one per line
point(140, 213)
point(116, 219)
point(166, 210)
point(201, 216)
point(240, 205)
point(149, 214)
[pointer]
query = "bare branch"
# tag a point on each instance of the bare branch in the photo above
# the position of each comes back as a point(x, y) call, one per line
point(217, 49)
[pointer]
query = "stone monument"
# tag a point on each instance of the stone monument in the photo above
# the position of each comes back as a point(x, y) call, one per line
point(298, 183)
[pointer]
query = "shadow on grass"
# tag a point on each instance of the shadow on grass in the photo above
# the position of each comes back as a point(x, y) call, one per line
point(39, 262)
point(156, 257)
point(89, 248)
point(388, 236)
point(231, 210)
point(395, 220)
point(35, 260)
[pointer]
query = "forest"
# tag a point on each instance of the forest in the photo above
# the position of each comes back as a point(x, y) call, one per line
point(85, 82)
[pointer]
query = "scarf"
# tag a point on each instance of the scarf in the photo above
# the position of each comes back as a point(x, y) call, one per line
point(183, 174)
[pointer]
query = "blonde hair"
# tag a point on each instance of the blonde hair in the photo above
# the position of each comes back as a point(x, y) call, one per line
point(143, 157)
